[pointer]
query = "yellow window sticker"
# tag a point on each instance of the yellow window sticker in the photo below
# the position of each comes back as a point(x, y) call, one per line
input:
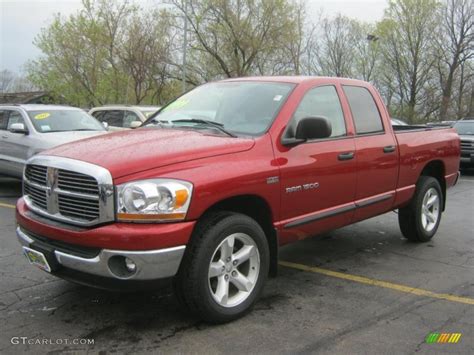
point(42, 116)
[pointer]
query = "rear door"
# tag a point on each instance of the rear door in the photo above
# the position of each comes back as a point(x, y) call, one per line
point(377, 153)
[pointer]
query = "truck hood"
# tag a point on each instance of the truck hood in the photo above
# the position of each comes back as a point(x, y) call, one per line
point(54, 139)
point(128, 152)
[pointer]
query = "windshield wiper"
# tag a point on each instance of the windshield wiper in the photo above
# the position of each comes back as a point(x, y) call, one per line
point(217, 125)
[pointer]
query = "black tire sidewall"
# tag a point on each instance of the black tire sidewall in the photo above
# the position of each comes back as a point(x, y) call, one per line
point(214, 236)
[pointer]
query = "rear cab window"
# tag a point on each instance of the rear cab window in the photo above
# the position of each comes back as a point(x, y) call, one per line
point(366, 116)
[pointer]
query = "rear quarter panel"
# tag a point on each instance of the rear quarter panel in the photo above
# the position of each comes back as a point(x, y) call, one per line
point(417, 149)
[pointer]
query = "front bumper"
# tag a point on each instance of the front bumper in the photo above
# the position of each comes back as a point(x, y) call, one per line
point(150, 264)
point(96, 256)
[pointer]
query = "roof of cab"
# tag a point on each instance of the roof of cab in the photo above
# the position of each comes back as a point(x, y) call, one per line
point(296, 79)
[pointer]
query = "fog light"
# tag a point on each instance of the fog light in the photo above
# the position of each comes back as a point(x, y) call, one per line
point(130, 265)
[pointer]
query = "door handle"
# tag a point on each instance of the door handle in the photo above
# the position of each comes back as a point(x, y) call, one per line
point(5, 136)
point(389, 149)
point(346, 156)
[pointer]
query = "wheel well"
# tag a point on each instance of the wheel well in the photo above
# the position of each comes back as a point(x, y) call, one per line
point(436, 169)
point(257, 208)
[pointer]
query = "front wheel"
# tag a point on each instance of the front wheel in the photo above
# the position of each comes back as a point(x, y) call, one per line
point(419, 220)
point(224, 267)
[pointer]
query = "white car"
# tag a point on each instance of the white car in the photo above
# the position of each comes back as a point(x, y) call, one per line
point(29, 129)
point(120, 117)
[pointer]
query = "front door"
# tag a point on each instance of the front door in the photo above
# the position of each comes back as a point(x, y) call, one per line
point(318, 178)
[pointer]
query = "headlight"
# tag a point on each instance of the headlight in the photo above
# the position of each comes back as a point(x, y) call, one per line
point(155, 200)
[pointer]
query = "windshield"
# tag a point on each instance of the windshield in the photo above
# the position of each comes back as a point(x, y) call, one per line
point(46, 121)
point(465, 128)
point(246, 108)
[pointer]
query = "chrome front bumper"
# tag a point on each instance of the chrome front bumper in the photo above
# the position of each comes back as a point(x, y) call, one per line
point(150, 264)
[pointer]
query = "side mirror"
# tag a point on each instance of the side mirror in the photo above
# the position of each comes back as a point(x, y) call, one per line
point(105, 124)
point(309, 128)
point(313, 128)
point(135, 124)
point(18, 128)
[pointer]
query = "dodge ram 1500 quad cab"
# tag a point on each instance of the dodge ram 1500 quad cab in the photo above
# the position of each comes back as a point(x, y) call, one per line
point(219, 179)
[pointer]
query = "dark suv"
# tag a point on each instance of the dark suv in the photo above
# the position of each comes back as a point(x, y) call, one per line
point(465, 130)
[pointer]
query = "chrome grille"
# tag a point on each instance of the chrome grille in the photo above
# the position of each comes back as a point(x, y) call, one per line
point(55, 189)
point(78, 207)
point(36, 174)
point(37, 195)
point(466, 145)
point(77, 182)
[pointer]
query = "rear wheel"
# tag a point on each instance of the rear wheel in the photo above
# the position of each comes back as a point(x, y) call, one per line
point(419, 220)
point(224, 267)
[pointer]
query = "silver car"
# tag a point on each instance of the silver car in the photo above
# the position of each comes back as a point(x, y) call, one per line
point(120, 117)
point(28, 129)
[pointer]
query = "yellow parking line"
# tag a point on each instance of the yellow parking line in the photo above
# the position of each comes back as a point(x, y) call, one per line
point(6, 205)
point(384, 284)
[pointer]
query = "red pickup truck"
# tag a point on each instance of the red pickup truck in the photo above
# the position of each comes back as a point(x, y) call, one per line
point(219, 179)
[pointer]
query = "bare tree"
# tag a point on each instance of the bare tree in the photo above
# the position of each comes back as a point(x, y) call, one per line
point(6, 79)
point(335, 51)
point(455, 46)
point(407, 33)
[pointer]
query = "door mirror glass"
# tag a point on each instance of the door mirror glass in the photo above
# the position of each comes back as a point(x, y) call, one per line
point(313, 128)
point(18, 128)
point(105, 124)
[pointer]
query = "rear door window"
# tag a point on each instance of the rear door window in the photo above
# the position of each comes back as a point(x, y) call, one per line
point(365, 113)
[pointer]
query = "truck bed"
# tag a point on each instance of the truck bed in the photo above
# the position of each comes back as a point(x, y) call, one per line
point(419, 145)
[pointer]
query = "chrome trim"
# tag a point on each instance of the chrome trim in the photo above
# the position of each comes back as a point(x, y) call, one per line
point(104, 183)
point(151, 264)
point(23, 238)
point(373, 200)
point(320, 215)
point(337, 211)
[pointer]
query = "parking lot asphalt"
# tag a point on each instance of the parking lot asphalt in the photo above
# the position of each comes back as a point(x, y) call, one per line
point(362, 289)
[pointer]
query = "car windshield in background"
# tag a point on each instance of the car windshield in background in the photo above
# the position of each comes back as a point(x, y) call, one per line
point(246, 108)
point(465, 128)
point(148, 113)
point(46, 121)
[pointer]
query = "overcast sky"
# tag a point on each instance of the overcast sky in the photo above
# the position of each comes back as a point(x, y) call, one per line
point(21, 20)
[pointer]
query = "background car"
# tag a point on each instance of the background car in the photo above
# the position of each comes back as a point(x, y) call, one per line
point(397, 122)
point(119, 117)
point(29, 129)
point(465, 129)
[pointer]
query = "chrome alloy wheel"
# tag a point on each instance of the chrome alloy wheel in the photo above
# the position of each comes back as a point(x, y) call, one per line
point(430, 209)
point(233, 270)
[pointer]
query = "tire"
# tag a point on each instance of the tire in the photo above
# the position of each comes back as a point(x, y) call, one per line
point(419, 220)
point(211, 266)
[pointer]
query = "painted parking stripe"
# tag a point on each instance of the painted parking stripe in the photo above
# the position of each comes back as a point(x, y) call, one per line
point(378, 283)
point(6, 205)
